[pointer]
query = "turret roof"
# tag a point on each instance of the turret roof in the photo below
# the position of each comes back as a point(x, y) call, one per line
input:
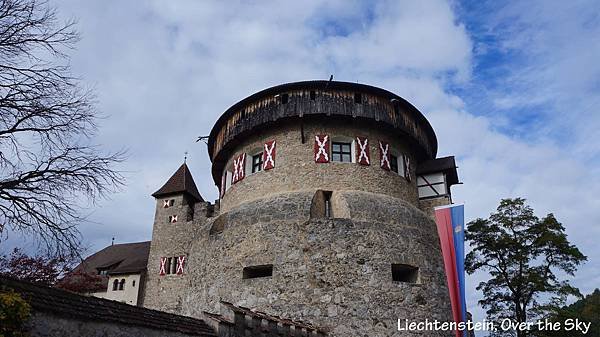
point(180, 182)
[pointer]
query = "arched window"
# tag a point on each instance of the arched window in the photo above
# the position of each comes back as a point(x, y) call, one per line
point(122, 284)
point(115, 284)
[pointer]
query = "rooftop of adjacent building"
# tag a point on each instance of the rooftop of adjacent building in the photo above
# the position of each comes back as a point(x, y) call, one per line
point(69, 305)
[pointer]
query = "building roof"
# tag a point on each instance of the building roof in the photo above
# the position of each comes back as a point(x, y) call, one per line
point(445, 164)
point(70, 305)
point(180, 182)
point(118, 259)
point(257, 315)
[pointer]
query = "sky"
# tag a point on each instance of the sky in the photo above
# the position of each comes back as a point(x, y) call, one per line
point(510, 88)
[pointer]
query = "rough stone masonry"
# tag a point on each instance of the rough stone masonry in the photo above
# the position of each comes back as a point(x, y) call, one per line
point(347, 244)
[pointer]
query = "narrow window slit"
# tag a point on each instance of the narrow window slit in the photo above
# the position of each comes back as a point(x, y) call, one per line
point(405, 273)
point(265, 270)
point(357, 98)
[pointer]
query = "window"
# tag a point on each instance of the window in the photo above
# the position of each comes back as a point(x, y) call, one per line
point(341, 152)
point(168, 265)
point(115, 284)
point(313, 95)
point(284, 98)
point(172, 218)
point(258, 271)
point(122, 284)
point(257, 162)
point(133, 283)
point(393, 163)
point(327, 197)
point(405, 273)
point(102, 271)
point(357, 98)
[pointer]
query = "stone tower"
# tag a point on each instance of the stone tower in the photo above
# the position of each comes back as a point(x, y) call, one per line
point(326, 194)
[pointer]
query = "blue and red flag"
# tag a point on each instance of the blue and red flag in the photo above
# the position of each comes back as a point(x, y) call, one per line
point(450, 221)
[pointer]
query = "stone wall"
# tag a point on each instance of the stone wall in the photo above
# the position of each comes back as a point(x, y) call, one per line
point(171, 240)
point(428, 205)
point(335, 273)
point(296, 170)
point(49, 325)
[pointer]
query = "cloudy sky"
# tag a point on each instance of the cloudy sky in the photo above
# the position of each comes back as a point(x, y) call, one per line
point(511, 89)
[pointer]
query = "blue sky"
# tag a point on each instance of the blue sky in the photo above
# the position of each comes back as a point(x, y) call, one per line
point(511, 89)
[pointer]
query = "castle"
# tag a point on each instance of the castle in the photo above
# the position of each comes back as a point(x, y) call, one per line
point(324, 215)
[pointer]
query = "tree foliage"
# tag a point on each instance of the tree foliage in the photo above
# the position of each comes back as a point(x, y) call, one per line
point(586, 309)
point(48, 166)
point(37, 269)
point(14, 314)
point(523, 255)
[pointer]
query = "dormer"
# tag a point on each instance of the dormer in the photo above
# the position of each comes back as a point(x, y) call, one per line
point(434, 179)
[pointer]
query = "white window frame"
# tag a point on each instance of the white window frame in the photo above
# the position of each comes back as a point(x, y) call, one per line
point(343, 139)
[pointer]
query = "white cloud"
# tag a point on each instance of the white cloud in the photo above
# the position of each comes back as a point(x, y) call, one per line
point(165, 71)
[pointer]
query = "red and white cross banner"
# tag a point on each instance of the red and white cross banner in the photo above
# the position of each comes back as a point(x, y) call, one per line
point(362, 151)
point(407, 167)
point(163, 266)
point(239, 168)
point(384, 155)
point(269, 155)
point(322, 149)
point(180, 264)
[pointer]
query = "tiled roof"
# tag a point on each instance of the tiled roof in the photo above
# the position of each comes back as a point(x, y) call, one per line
point(70, 305)
point(263, 316)
point(180, 182)
point(123, 258)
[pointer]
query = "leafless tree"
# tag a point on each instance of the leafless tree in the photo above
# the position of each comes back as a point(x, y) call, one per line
point(49, 168)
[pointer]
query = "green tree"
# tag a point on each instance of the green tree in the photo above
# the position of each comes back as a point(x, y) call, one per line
point(522, 254)
point(586, 310)
point(14, 313)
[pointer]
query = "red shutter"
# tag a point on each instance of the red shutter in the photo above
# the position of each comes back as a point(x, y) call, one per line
point(269, 155)
point(180, 264)
point(407, 168)
point(322, 149)
point(362, 151)
point(239, 168)
point(384, 155)
point(163, 266)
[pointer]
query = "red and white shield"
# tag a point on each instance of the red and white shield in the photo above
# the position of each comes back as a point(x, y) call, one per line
point(180, 264)
point(269, 155)
point(239, 168)
point(321, 149)
point(362, 151)
point(384, 155)
point(163, 266)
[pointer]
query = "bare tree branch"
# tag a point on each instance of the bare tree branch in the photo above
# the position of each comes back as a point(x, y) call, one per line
point(48, 168)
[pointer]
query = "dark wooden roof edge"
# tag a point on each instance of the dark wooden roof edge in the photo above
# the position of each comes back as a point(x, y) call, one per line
point(262, 315)
point(446, 165)
point(61, 302)
point(318, 85)
point(181, 181)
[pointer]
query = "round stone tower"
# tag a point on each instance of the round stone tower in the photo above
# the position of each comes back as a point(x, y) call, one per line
point(324, 212)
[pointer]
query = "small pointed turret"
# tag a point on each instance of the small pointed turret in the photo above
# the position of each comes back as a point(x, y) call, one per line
point(180, 182)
